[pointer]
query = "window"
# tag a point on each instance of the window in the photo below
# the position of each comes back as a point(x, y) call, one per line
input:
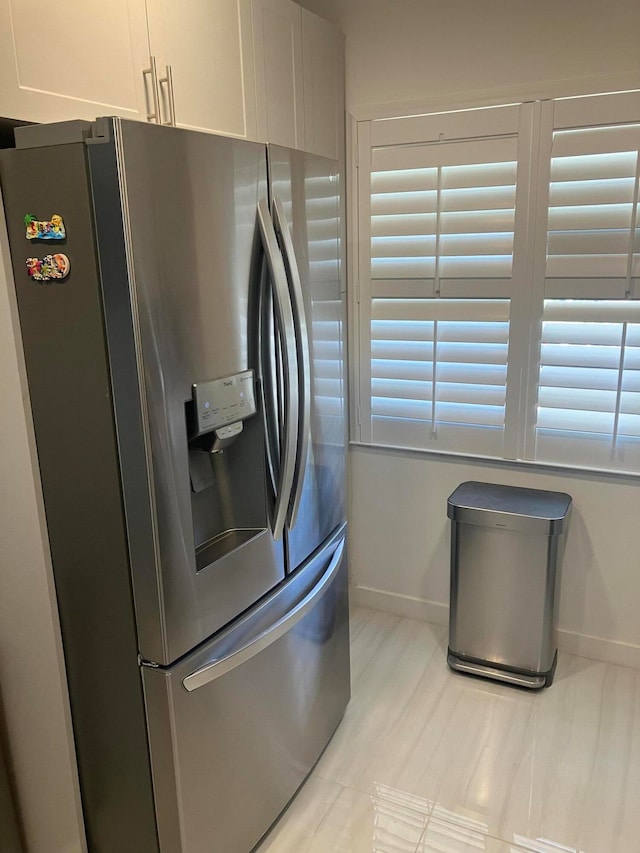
point(499, 282)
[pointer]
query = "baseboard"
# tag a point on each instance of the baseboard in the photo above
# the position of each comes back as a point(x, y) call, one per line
point(583, 645)
point(597, 648)
point(400, 605)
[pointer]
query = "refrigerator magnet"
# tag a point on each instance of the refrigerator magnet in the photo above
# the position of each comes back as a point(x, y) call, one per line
point(44, 229)
point(50, 268)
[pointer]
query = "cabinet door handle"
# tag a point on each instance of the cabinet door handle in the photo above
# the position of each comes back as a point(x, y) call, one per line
point(168, 82)
point(155, 93)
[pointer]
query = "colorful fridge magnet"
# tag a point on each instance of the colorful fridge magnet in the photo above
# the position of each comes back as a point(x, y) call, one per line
point(50, 268)
point(46, 229)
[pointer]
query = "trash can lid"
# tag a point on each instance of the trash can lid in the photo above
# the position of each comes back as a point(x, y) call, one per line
point(481, 503)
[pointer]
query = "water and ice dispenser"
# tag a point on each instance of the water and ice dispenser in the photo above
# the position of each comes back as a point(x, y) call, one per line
point(226, 465)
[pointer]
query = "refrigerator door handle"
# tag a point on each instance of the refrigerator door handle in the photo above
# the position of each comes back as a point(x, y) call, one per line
point(303, 353)
point(267, 380)
point(216, 668)
point(284, 317)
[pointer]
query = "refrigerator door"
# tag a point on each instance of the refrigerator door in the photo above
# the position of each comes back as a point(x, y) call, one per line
point(181, 255)
point(305, 204)
point(235, 727)
point(9, 833)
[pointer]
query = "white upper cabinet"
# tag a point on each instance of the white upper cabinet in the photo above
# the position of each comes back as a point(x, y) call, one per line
point(277, 44)
point(299, 67)
point(77, 59)
point(188, 62)
point(204, 62)
point(323, 62)
point(260, 69)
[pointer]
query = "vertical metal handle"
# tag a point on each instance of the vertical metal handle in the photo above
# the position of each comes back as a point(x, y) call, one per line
point(284, 318)
point(267, 374)
point(168, 82)
point(152, 72)
point(303, 353)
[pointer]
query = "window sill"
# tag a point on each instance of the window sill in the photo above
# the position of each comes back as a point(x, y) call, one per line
point(493, 462)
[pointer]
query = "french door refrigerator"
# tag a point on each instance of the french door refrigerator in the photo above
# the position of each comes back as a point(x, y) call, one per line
point(182, 320)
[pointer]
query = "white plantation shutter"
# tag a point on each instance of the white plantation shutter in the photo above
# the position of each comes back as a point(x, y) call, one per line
point(592, 236)
point(588, 394)
point(499, 265)
point(444, 229)
point(438, 373)
point(440, 247)
point(589, 384)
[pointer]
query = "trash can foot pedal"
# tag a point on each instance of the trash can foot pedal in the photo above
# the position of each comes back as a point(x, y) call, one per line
point(485, 670)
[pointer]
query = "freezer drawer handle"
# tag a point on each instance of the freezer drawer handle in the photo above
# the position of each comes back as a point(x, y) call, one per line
point(222, 666)
point(284, 316)
point(302, 349)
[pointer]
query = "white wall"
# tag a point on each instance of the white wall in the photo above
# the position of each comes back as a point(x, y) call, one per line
point(33, 695)
point(399, 544)
point(401, 54)
point(424, 50)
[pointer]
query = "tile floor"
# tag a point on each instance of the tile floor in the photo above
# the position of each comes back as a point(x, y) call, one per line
point(428, 760)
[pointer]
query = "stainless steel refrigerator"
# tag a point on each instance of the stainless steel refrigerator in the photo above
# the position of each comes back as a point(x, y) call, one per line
point(182, 316)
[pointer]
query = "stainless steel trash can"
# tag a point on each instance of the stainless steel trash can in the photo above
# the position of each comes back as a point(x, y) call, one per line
point(506, 553)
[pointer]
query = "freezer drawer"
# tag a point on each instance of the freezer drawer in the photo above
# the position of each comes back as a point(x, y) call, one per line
point(235, 727)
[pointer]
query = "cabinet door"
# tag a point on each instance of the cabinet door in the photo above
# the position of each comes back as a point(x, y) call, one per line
point(77, 59)
point(323, 61)
point(207, 45)
point(277, 34)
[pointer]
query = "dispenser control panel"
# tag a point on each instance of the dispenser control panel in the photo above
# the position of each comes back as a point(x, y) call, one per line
point(224, 401)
